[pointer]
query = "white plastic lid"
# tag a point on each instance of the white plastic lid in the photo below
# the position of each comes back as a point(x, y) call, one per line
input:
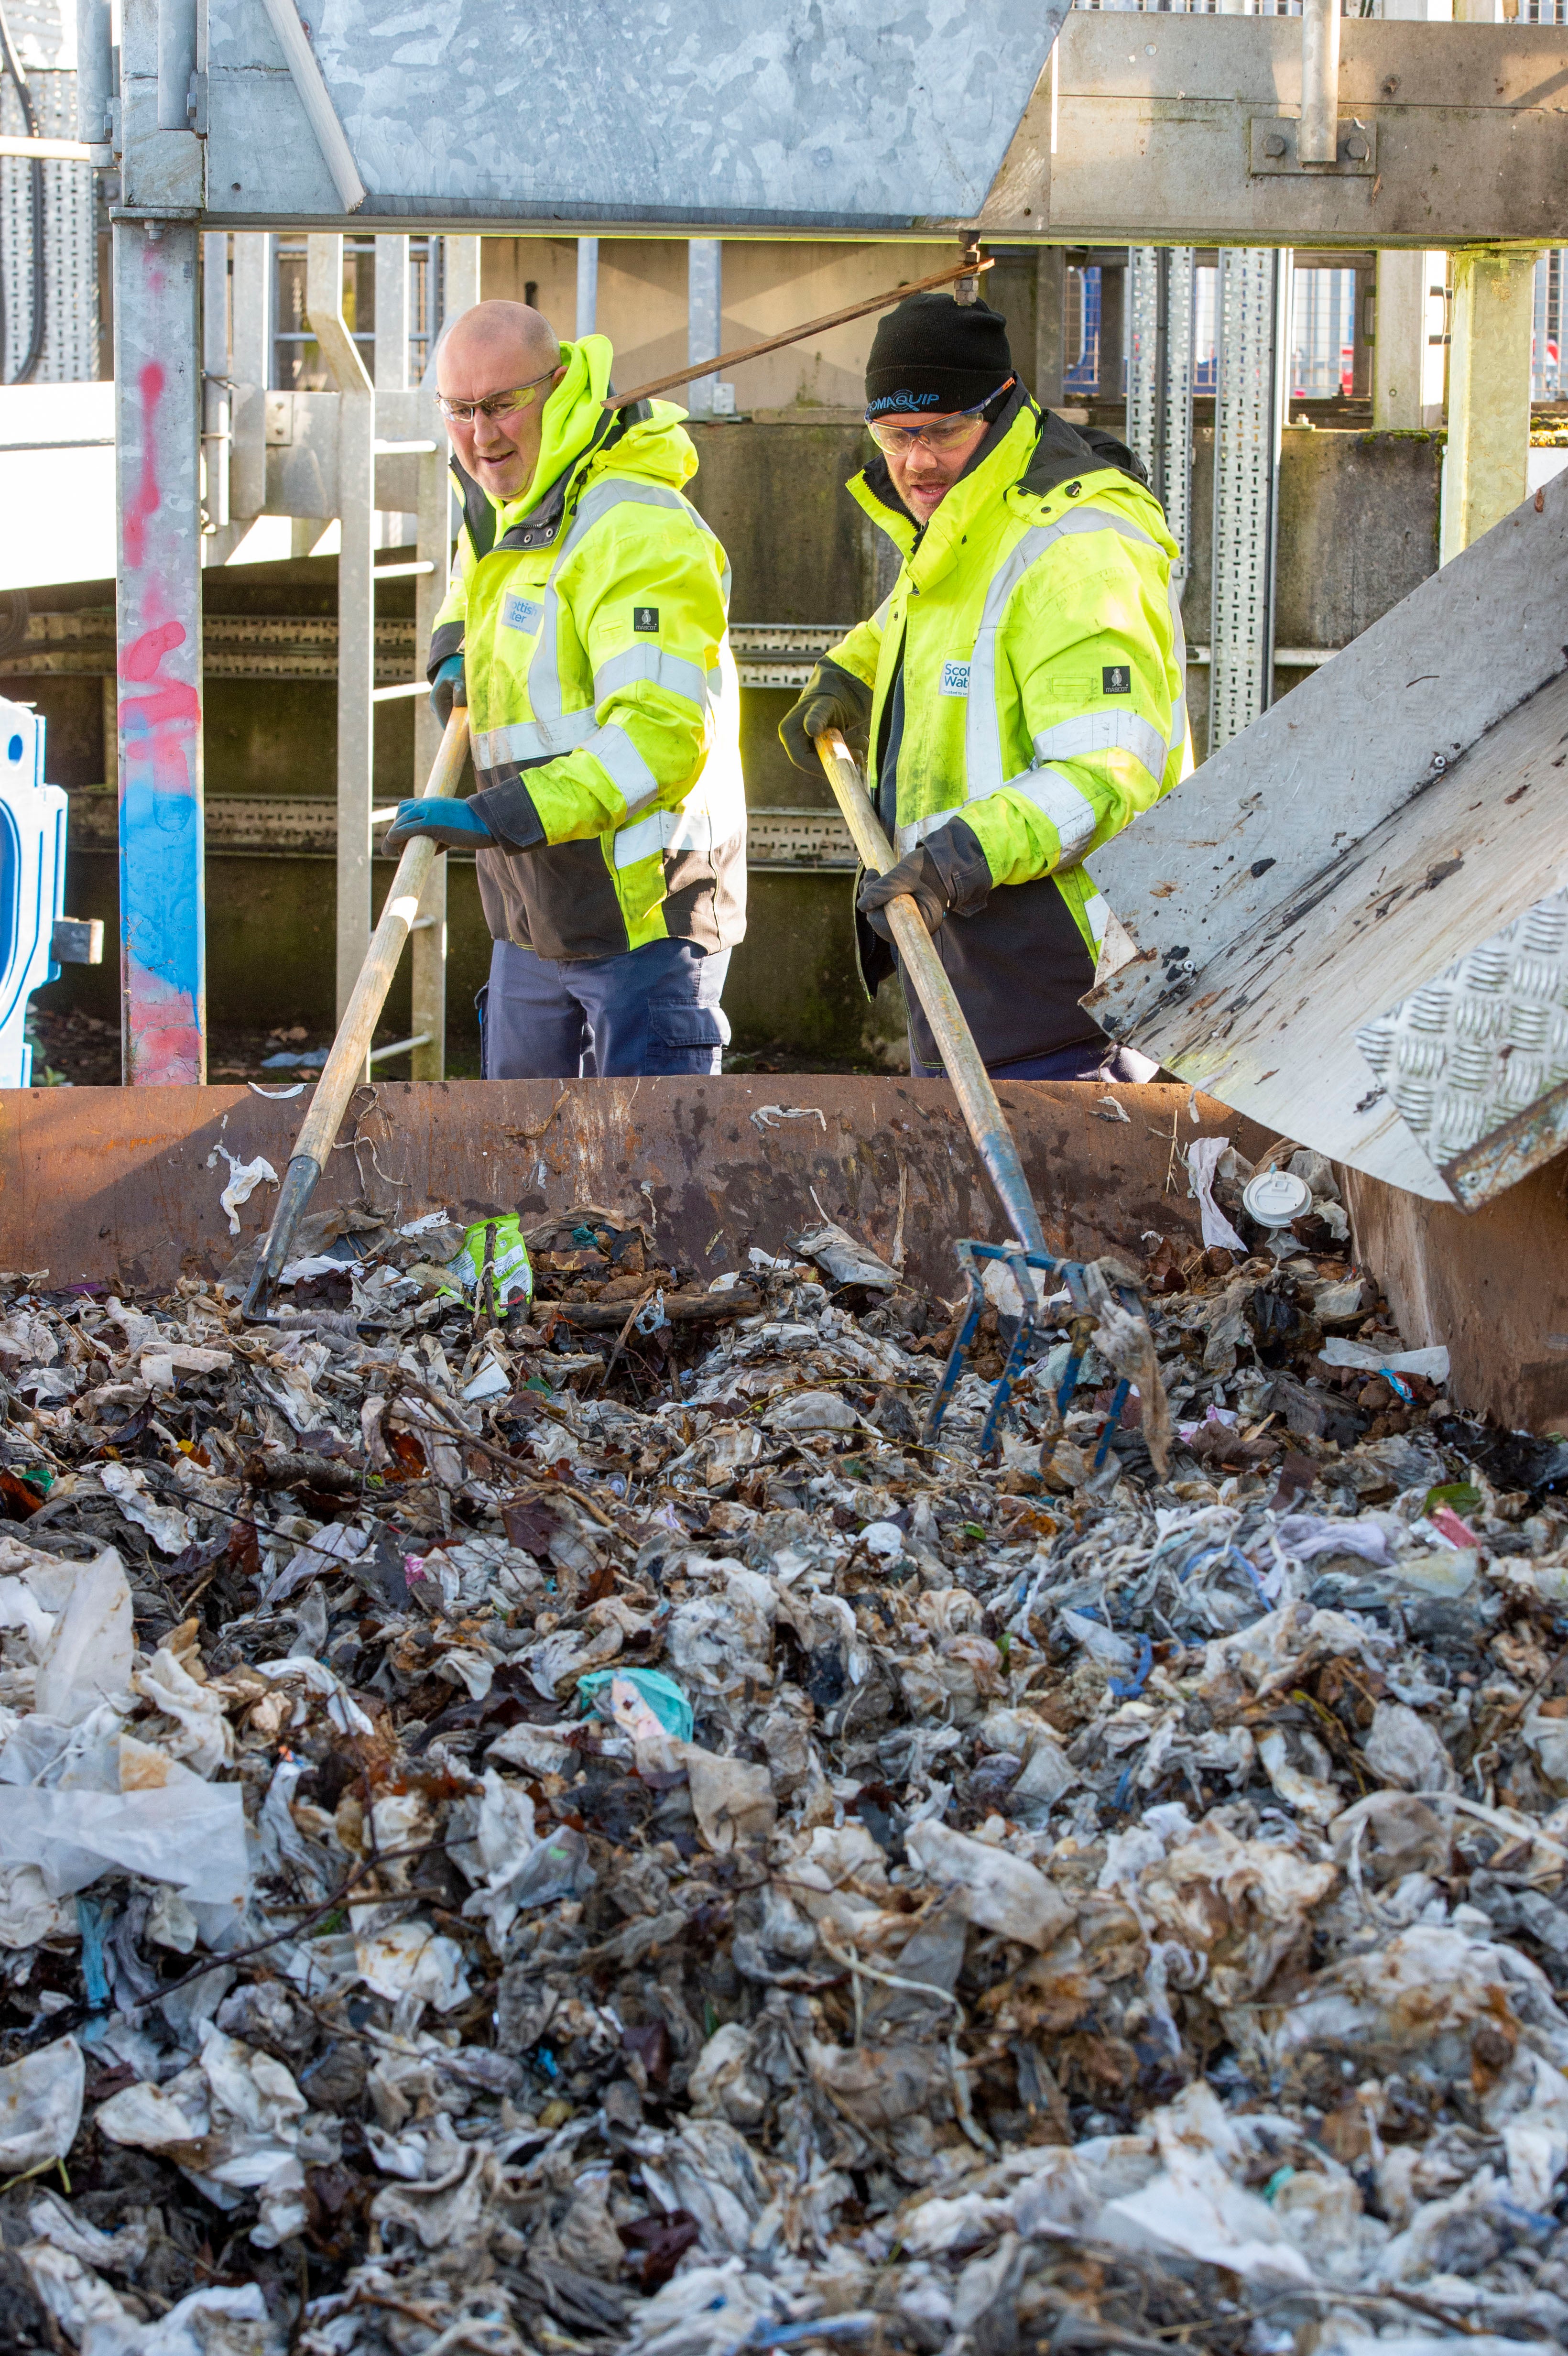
point(1274, 1197)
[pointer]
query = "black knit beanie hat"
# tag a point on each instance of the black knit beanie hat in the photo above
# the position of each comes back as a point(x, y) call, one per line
point(934, 354)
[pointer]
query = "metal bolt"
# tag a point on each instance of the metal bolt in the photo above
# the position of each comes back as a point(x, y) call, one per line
point(1440, 762)
point(1356, 148)
point(1274, 144)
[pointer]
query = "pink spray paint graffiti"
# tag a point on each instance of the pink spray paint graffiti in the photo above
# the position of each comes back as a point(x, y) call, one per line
point(161, 882)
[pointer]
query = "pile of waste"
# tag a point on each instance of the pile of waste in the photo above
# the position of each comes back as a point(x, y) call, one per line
point(546, 1811)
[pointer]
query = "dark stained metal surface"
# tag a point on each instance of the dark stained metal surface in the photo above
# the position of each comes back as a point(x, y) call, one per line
point(123, 1185)
point(1490, 1285)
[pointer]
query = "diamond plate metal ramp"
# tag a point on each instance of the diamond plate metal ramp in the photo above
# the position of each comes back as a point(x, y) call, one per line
point(1346, 924)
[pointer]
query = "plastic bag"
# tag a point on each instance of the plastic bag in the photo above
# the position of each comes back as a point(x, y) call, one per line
point(512, 1271)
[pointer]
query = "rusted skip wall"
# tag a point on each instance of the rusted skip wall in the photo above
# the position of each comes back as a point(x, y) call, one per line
point(123, 1187)
point(1491, 1284)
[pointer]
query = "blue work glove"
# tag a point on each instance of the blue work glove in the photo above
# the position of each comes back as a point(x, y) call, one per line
point(447, 687)
point(456, 826)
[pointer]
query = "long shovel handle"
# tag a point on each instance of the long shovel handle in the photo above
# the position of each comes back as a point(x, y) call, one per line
point(986, 1121)
point(346, 1065)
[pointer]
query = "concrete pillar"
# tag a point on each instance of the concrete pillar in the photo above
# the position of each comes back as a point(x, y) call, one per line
point(1488, 457)
point(704, 310)
point(1050, 324)
point(1409, 322)
point(587, 286)
point(157, 405)
point(250, 365)
point(392, 314)
point(216, 374)
point(460, 276)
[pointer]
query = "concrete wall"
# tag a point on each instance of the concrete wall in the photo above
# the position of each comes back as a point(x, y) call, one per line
point(1357, 531)
point(767, 288)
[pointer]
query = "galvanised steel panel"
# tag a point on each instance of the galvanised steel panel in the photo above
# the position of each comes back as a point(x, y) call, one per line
point(723, 110)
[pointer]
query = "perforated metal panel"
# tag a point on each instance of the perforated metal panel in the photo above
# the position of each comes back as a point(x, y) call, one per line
point(1481, 1042)
point(70, 254)
point(1254, 292)
point(1161, 303)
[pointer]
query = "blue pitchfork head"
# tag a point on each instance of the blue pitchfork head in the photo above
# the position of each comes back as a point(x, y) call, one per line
point(1068, 1273)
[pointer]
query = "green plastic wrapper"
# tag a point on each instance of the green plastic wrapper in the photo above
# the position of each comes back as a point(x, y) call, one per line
point(513, 1269)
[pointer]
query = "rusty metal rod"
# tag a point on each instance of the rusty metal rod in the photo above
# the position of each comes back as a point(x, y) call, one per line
point(978, 1101)
point(968, 268)
point(349, 1061)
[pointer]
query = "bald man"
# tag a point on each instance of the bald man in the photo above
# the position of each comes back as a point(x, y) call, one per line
point(587, 627)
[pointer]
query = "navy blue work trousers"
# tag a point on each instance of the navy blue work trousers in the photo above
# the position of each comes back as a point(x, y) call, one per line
point(1090, 1059)
point(653, 1010)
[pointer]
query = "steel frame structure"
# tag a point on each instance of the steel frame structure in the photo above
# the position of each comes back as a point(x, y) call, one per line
point(231, 116)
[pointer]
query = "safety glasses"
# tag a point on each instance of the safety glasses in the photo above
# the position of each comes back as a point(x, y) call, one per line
point(938, 434)
point(495, 404)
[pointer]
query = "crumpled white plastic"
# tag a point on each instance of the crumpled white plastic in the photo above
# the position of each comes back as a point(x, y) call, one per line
point(186, 1832)
point(202, 1738)
point(1204, 1156)
point(1193, 2207)
point(408, 1959)
point(168, 1528)
point(40, 2106)
point(100, 2324)
point(77, 1618)
point(1000, 1892)
point(244, 1177)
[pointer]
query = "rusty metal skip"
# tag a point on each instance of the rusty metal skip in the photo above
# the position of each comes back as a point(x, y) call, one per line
point(987, 1124)
point(349, 1062)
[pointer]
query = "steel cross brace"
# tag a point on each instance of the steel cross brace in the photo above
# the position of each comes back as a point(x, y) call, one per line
point(1074, 1276)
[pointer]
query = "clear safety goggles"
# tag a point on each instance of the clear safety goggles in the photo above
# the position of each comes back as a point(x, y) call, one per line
point(495, 404)
point(937, 434)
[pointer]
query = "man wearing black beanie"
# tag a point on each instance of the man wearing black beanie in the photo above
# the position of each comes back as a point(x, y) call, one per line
point(1019, 696)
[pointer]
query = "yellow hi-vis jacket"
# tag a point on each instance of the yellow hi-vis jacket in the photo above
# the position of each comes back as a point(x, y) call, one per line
point(1034, 633)
point(592, 616)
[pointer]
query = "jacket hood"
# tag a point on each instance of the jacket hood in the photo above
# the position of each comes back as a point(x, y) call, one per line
point(647, 441)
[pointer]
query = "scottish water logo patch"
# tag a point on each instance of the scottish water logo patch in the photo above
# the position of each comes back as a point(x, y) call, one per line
point(520, 613)
point(954, 679)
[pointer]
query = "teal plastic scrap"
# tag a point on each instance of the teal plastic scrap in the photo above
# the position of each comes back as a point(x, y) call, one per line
point(659, 1693)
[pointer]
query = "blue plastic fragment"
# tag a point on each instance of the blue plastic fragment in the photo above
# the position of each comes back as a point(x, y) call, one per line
point(90, 1922)
point(1129, 1688)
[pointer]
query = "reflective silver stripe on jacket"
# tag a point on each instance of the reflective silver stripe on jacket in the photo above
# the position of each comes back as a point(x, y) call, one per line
point(533, 740)
point(659, 670)
point(554, 730)
point(1105, 731)
point(982, 724)
point(712, 818)
point(1070, 811)
point(628, 772)
point(544, 668)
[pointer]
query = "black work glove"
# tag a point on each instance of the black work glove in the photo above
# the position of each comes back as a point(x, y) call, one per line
point(833, 698)
point(948, 873)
